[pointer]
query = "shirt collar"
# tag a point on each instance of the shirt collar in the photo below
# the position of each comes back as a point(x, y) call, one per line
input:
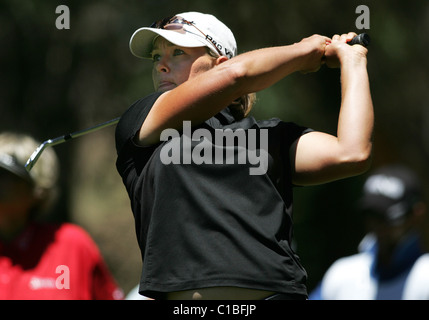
point(225, 117)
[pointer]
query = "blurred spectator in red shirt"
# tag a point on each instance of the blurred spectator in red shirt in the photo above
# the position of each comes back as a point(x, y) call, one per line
point(40, 260)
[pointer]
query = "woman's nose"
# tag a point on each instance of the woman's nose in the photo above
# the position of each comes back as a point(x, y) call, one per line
point(162, 65)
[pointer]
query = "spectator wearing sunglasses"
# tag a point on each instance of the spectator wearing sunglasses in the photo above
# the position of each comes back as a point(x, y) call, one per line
point(206, 227)
point(392, 263)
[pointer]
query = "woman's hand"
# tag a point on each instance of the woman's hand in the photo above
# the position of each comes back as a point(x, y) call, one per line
point(338, 52)
point(314, 48)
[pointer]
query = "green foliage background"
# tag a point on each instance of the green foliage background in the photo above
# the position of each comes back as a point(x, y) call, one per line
point(54, 82)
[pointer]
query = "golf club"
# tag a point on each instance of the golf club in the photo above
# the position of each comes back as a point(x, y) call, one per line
point(53, 142)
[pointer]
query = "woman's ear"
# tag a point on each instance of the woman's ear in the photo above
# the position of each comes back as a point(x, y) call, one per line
point(221, 59)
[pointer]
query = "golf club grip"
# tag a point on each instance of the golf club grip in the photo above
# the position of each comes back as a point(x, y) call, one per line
point(362, 39)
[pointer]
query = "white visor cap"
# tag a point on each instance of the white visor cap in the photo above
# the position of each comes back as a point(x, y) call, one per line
point(188, 29)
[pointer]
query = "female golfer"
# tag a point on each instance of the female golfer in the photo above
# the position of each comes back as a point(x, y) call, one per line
point(210, 227)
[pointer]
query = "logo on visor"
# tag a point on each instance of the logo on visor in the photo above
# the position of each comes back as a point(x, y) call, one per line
point(219, 47)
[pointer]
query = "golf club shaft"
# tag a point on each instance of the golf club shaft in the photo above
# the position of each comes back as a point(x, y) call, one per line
point(53, 142)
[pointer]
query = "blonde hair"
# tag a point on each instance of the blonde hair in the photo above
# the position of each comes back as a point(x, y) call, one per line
point(241, 107)
point(44, 174)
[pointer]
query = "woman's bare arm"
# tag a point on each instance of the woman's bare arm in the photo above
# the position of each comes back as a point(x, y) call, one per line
point(320, 157)
point(203, 96)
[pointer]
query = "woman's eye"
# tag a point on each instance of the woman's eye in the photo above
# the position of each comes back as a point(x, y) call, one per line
point(178, 52)
point(156, 57)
